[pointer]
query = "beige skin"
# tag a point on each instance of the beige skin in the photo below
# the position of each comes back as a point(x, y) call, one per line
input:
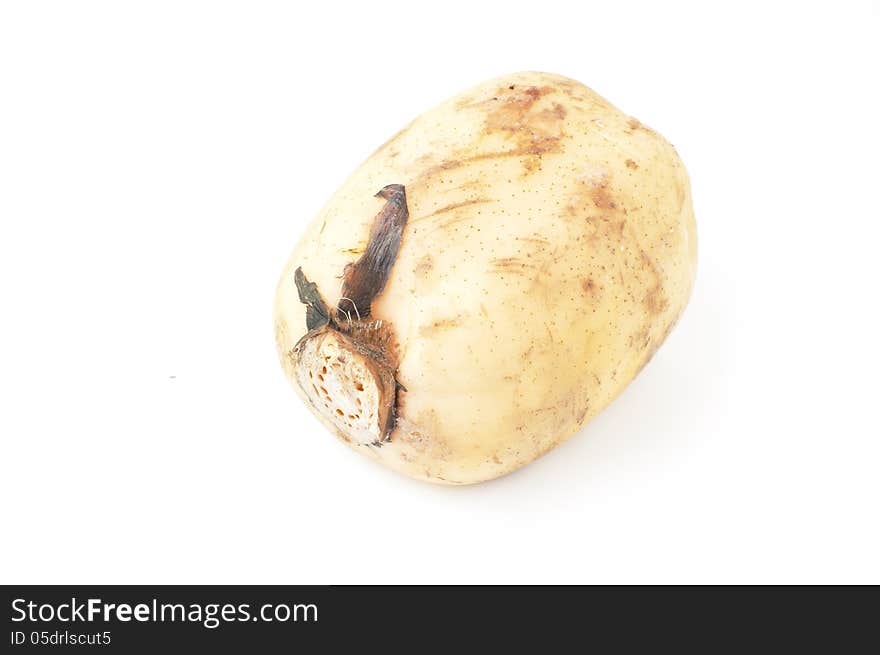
point(549, 251)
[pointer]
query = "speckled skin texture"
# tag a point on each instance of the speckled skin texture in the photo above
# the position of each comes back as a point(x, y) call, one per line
point(550, 249)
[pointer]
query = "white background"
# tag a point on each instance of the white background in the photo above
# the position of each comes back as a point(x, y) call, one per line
point(158, 160)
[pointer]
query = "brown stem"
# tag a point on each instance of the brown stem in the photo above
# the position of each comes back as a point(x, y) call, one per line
point(365, 279)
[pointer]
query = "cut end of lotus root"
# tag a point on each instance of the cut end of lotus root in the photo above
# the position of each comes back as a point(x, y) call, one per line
point(348, 387)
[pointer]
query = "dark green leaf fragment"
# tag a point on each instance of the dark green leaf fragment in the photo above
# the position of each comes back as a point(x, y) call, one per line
point(317, 312)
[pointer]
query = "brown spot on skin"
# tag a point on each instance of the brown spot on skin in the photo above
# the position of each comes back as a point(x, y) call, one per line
point(512, 105)
point(595, 185)
point(453, 206)
point(590, 288)
point(513, 111)
point(653, 347)
point(655, 301)
point(581, 413)
point(424, 265)
point(641, 339)
point(633, 125)
point(533, 133)
point(540, 145)
point(470, 185)
point(601, 198)
point(446, 165)
point(535, 146)
point(464, 103)
point(440, 326)
point(452, 221)
point(631, 164)
point(605, 225)
point(542, 242)
point(557, 112)
point(425, 437)
point(505, 261)
point(510, 263)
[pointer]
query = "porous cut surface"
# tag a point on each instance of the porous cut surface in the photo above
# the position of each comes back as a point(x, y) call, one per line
point(341, 387)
